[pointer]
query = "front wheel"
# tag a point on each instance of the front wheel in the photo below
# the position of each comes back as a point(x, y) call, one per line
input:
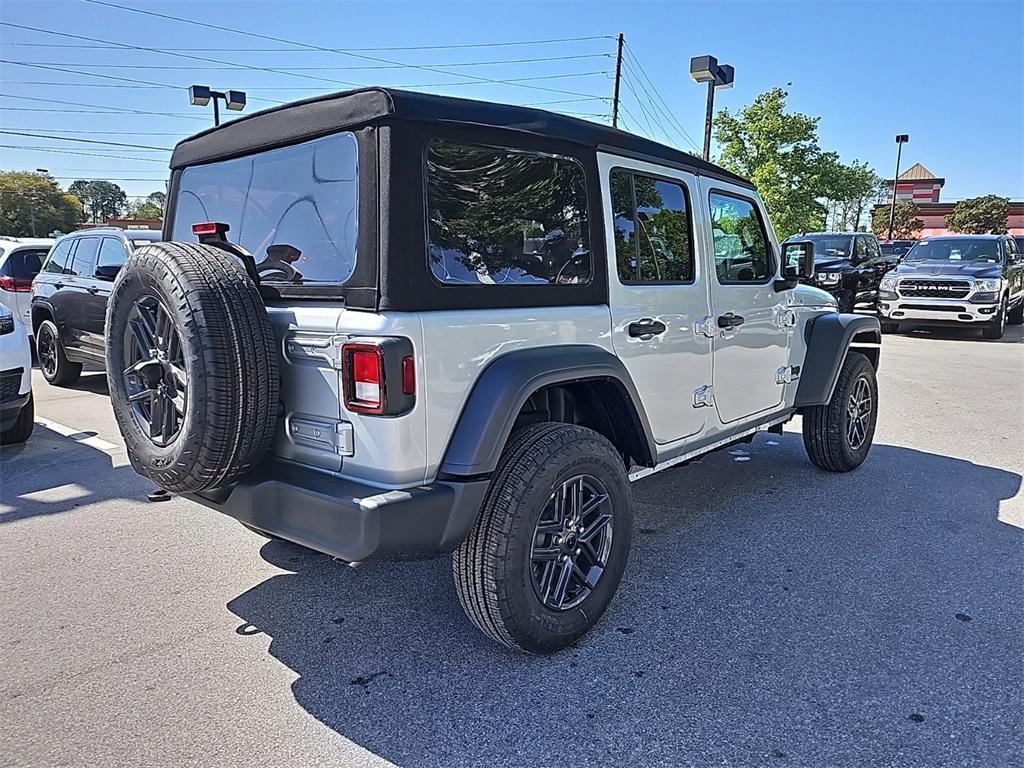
point(1016, 316)
point(550, 546)
point(997, 326)
point(838, 435)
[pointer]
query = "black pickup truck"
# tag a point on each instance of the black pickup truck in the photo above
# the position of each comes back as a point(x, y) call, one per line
point(849, 265)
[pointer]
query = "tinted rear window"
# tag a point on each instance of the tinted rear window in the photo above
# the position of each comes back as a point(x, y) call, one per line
point(25, 262)
point(294, 208)
point(506, 217)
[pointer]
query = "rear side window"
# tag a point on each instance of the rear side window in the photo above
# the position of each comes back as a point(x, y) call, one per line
point(24, 263)
point(653, 233)
point(501, 216)
point(84, 262)
point(112, 253)
point(743, 253)
point(60, 255)
point(294, 208)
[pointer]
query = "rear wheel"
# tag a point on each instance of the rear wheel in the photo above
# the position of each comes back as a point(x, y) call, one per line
point(550, 546)
point(838, 435)
point(21, 429)
point(53, 361)
point(997, 326)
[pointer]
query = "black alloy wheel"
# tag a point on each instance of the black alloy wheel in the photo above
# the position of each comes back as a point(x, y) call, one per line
point(571, 542)
point(46, 351)
point(155, 377)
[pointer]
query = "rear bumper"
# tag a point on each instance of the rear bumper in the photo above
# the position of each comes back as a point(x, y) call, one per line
point(9, 410)
point(349, 520)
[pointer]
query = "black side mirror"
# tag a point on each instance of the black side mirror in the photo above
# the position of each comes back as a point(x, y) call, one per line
point(798, 260)
point(107, 272)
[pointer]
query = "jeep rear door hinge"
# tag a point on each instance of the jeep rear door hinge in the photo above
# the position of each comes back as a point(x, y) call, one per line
point(705, 327)
point(704, 397)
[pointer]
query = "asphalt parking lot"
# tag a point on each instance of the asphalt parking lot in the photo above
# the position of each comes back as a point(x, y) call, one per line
point(771, 614)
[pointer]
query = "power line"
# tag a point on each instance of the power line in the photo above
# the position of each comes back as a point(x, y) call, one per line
point(105, 133)
point(303, 50)
point(305, 88)
point(147, 147)
point(109, 110)
point(323, 69)
point(667, 111)
point(86, 154)
point(234, 30)
point(628, 80)
point(135, 82)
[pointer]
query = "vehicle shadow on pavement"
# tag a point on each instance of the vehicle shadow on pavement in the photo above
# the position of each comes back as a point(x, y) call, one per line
point(770, 614)
point(1014, 334)
point(86, 475)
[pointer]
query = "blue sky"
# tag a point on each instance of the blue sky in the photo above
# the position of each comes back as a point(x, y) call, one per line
point(951, 74)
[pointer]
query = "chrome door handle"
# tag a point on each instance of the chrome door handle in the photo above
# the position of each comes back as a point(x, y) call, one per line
point(646, 328)
point(729, 320)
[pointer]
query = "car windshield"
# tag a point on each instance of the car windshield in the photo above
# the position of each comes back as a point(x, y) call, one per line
point(959, 249)
point(830, 245)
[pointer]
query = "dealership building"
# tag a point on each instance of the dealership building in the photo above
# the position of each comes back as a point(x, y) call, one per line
point(921, 186)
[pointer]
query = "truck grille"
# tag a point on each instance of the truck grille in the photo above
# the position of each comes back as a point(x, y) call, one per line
point(935, 289)
point(10, 382)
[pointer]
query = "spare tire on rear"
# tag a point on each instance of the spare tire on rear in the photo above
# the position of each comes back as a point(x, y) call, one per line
point(192, 366)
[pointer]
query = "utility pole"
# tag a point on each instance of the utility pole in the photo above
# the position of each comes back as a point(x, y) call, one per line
point(618, 80)
point(901, 139)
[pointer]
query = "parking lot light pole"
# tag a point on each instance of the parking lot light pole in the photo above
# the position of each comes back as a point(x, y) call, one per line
point(706, 69)
point(901, 139)
point(201, 95)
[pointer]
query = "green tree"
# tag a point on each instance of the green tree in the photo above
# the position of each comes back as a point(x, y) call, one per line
point(980, 215)
point(102, 199)
point(144, 209)
point(31, 204)
point(779, 152)
point(158, 199)
point(849, 190)
point(905, 223)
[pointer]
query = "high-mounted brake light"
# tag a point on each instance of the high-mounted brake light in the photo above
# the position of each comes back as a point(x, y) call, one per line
point(207, 228)
point(378, 376)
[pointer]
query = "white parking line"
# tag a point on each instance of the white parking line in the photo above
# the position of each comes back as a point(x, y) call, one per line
point(78, 436)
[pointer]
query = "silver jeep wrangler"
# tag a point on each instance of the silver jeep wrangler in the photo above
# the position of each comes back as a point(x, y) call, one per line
point(389, 324)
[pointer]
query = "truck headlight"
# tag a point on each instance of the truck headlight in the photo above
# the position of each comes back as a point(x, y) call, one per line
point(887, 284)
point(829, 278)
point(988, 286)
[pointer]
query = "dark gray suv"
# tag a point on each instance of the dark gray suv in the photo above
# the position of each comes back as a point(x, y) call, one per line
point(69, 298)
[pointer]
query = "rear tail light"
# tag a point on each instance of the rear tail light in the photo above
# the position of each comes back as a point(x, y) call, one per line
point(379, 376)
point(16, 284)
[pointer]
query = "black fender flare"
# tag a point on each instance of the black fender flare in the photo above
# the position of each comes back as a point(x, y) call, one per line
point(505, 385)
point(829, 337)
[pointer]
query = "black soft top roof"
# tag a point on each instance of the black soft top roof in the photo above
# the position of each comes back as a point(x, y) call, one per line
point(334, 112)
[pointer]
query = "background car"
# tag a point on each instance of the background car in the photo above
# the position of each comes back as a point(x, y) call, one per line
point(896, 248)
point(20, 259)
point(848, 265)
point(69, 298)
point(16, 408)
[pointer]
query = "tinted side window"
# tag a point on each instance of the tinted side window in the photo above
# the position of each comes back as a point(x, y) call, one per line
point(60, 255)
point(112, 253)
point(84, 262)
point(505, 217)
point(653, 242)
point(742, 250)
point(860, 249)
point(873, 250)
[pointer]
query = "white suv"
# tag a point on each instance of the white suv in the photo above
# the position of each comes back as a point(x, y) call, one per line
point(16, 409)
point(20, 261)
point(414, 324)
